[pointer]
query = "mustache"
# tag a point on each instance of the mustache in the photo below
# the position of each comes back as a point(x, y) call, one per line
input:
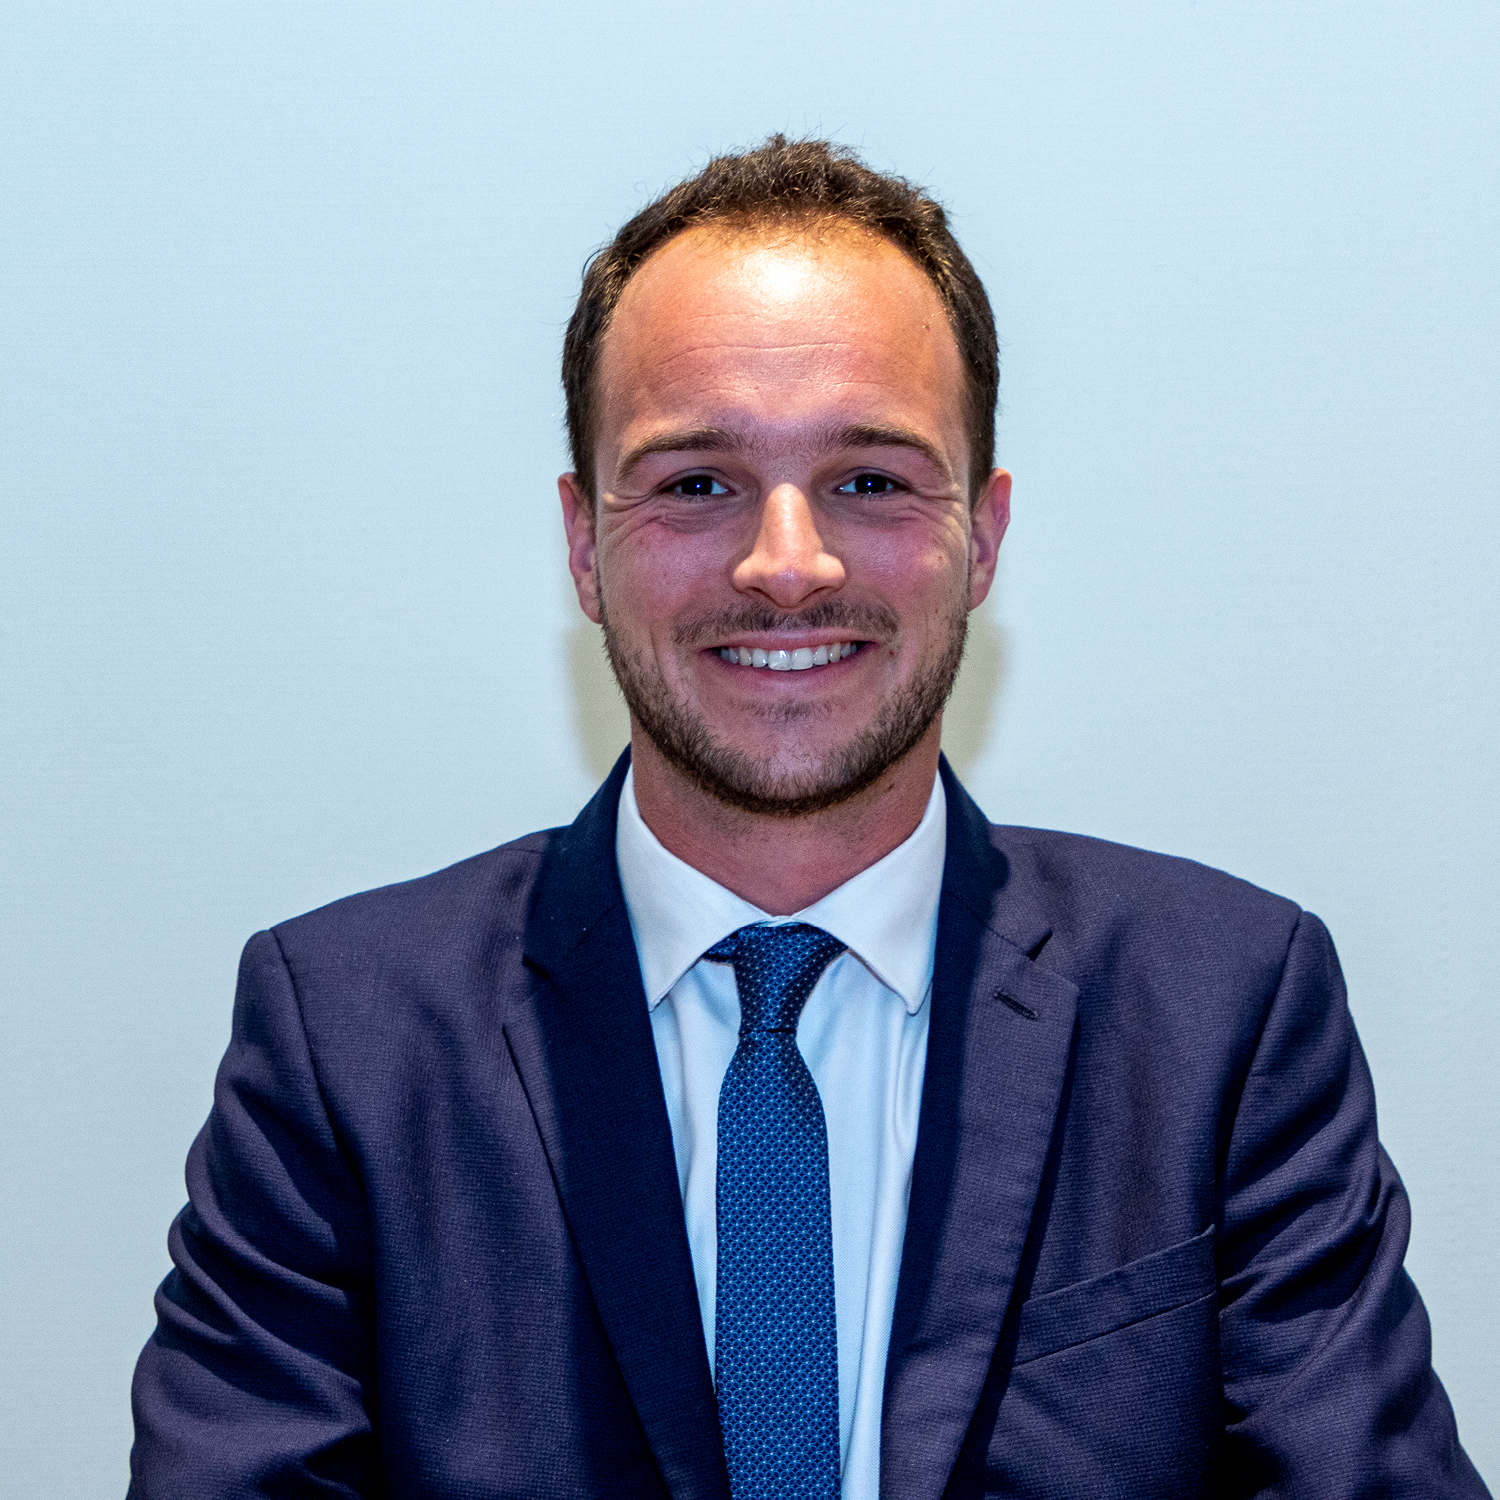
point(858, 621)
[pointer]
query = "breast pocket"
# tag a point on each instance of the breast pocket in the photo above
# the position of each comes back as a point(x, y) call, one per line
point(1114, 1388)
point(1145, 1288)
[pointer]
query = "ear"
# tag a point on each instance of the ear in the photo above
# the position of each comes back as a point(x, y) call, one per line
point(578, 522)
point(987, 523)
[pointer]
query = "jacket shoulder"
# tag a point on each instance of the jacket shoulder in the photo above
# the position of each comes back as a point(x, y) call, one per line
point(479, 902)
point(1103, 898)
point(1099, 869)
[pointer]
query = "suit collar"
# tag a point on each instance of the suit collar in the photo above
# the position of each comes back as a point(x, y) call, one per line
point(980, 877)
point(584, 1050)
point(997, 1063)
point(886, 914)
point(578, 884)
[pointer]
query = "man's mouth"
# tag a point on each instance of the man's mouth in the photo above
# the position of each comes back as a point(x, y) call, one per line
point(799, 659)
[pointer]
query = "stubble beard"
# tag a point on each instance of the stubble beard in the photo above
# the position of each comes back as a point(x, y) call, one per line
point(753, 784)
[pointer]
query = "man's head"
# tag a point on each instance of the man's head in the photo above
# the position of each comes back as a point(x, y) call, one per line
point(783, 185)
point(779, 433)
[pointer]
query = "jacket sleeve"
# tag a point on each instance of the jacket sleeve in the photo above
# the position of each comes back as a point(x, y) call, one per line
point(260, 1377)
point(1327, 1356)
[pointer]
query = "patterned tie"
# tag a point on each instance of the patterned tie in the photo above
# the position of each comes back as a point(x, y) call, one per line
point(776, 1349)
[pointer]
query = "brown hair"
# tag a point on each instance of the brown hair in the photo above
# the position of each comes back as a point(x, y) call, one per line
point(781, 182)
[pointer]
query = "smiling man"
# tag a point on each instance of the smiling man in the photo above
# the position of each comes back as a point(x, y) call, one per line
point(783, 1128)
point(782, 535)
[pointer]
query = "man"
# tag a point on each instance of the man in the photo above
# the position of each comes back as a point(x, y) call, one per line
point(782, 1128)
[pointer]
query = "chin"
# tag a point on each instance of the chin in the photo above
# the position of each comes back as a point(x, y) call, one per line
point(777, 784)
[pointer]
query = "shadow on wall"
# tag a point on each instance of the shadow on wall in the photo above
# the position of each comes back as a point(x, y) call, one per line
point(604, 725)
point(971, 709)
point(598, 709)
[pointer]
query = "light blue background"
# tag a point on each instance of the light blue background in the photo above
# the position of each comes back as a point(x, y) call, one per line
point(283, 610)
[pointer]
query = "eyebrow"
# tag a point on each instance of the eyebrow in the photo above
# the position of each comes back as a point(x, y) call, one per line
point(685, 440)
point(721, 440)
point(879, 435)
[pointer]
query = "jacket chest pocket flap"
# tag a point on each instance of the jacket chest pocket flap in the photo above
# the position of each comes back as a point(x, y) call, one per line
point(1144, 1288)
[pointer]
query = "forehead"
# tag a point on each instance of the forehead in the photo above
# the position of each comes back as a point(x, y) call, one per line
point(824, 322)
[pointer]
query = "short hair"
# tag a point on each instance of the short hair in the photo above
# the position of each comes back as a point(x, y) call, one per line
point(783, 182)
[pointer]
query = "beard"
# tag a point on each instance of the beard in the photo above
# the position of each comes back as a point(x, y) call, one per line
point(754, 784)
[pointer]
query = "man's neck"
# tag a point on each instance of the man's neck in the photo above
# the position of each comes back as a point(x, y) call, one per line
point(783, 864)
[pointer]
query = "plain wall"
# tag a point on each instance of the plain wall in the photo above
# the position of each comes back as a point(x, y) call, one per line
point(283, 605)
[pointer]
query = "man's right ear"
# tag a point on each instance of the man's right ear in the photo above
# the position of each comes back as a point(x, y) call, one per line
point(578, 522)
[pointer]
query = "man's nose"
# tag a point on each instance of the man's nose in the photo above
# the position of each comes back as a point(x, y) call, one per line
point(790, 561)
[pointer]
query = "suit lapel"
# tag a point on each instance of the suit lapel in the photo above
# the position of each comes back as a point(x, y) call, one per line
point(584, 1051)
point(1001, 1035)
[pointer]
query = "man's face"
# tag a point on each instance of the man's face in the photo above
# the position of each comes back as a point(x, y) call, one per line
point(782, 479)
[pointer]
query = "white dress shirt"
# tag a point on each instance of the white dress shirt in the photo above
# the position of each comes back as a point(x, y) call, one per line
point(863, 1035)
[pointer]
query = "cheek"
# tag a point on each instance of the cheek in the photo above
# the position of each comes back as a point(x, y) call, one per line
point(652, 573)
point(919, 574)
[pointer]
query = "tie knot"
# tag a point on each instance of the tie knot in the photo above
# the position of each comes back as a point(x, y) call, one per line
point(775, 969)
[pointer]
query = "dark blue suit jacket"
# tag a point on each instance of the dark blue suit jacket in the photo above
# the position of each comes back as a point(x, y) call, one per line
point(435, 1244)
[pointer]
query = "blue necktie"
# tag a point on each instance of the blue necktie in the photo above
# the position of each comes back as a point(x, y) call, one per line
point(775, 1344)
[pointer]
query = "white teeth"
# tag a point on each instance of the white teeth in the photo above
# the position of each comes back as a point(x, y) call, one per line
point(797, 660)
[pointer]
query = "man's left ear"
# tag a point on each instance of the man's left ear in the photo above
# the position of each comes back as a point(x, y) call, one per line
point(987, 523)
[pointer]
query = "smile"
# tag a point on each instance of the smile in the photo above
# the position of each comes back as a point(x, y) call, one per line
point(798, 660)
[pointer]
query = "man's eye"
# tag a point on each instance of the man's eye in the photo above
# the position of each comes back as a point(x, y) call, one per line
point(869, 484)
point(700, 486)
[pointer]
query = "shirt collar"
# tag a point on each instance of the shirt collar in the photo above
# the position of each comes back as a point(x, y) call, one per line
point(886, 915)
